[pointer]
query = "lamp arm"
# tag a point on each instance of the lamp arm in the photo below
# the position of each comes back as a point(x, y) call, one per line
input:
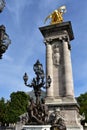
point(29, 85)
point(44, 85)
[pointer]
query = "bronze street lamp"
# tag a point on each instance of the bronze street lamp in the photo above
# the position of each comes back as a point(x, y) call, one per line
point(2, 5)
point(39, 81)
point(4, 40)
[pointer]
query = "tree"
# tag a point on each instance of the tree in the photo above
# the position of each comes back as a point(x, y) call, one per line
point(18, 105)
point(82, 101)
point(12, 109)
point(2, 111)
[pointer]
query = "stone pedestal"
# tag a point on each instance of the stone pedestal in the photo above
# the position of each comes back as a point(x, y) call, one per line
point(60, 96)
point(36, 127)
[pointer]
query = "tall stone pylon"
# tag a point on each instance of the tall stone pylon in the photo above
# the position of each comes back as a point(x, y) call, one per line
point(60, 95)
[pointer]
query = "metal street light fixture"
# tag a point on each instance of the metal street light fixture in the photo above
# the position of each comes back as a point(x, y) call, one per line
point(25, 78)
point(38, 68)
point(4, 40)
point(39, 81)
point(2, 5)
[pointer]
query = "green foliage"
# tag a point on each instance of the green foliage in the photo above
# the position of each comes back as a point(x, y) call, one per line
point(2, 110)
point(11, 110)
point(82, 101)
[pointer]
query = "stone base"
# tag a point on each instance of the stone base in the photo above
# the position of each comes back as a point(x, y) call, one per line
point(36, 127)
point(75, 128)
point(68, 111)
point(60, 100)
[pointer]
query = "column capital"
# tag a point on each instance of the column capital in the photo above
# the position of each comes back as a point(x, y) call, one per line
point(62, 38)
point(57, 29)
point(47, 41)
point(66, 39)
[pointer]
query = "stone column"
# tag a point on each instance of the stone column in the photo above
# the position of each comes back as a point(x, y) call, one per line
point(68, 69)
point(49, 67)
point(62, 81)
point(56, 67)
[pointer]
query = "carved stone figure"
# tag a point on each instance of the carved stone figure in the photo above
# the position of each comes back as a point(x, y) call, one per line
point(59, 125)
point(44, 110)
point(38, 114)
point(57, 121)
point(32, 111)
point(56, 55)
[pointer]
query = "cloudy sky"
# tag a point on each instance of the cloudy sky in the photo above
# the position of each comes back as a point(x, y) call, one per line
point(22, 19)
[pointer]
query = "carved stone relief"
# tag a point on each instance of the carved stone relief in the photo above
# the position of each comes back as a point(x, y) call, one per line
point(56, 55)
point(57, 120)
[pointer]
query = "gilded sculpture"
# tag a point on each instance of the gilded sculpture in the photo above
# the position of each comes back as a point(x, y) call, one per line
point(57, 15)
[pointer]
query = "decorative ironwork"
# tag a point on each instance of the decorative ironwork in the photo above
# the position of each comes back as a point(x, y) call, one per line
point(2, 5)
point(4, 40)
point(37, 111)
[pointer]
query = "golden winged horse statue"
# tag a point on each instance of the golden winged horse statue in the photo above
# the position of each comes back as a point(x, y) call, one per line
point(56, 15)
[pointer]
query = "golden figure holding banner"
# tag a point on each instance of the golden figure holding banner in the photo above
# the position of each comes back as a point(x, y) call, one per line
point(56, 15)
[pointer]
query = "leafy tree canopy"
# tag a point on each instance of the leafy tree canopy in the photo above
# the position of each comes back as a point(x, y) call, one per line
point(2, 110)
point(11, 110)
point(17, 105)
point(82, 101)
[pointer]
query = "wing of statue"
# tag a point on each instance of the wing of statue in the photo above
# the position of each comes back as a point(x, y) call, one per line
point(62, 9)
point(49, 16)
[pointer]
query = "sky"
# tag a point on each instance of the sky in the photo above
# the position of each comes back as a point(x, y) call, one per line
point(22, 19)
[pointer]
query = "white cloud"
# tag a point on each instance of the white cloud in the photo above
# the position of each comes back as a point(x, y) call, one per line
point(17, 7)
point(7, 58)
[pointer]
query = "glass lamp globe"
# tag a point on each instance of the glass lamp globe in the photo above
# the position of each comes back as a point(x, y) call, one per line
point(6, 41)
point(38, 68)
point(25, 78)
point(2, 5)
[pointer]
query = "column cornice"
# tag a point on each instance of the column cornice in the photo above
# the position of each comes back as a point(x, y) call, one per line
point(58, 29)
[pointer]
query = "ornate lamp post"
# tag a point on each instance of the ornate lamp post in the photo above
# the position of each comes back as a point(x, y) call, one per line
point(4, 40)
point(39, 81)
point(2, 5)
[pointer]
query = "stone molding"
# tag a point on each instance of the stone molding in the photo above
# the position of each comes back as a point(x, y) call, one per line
point(51, 30)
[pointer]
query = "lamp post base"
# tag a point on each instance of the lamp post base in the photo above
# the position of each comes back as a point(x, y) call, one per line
point(36, 127)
